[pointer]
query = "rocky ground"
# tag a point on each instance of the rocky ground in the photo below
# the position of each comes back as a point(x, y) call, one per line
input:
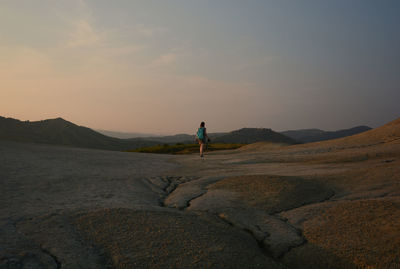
point(332, 204)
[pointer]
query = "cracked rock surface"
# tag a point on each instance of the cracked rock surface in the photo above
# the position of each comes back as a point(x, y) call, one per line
point(331, 204)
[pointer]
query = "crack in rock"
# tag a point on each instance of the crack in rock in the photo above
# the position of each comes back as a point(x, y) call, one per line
point(18, 251)
point(52, 256)
point(166, 185)
point(185, 193)
point(52, 241)
point(258, 237)
point(274, 236)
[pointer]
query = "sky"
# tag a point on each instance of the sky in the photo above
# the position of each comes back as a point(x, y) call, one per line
point(165, 66)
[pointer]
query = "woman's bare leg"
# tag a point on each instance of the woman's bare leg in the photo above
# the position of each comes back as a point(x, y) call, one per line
point(201, 149)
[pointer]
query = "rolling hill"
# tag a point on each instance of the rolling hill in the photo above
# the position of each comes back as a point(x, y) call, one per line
point(61, 132)
point(253, 135)
point(314, 135)
point(387, 133)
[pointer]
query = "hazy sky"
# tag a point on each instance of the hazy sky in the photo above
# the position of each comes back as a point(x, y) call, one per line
point(164, 66)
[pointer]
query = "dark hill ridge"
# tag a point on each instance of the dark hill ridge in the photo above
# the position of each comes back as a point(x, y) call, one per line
point(124, 135)
point(61, 132)
point(314, 135)
point(303, 134)
point(172, 139)
point(253, 135)
point(181, 138)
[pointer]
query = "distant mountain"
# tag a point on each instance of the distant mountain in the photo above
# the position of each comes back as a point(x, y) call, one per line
point(125, 135)
point(388, 133)
point(214, 136)
point(314, 135)
point(172, 139)
point(253, 135)
point(180, 138)
point(303, 134)
point(61, 132)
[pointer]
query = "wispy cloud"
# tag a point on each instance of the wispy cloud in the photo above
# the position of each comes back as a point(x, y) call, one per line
point(122, 50)
point(84, 35)
point(166, 59)
point(24, 63)
point(149, 31)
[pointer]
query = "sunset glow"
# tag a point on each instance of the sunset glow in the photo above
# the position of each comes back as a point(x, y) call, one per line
point(164, 66)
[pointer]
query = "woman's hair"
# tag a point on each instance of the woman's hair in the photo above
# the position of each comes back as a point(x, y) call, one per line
point(202, 124)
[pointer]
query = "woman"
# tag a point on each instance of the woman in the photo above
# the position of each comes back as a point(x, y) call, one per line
point(202, 137)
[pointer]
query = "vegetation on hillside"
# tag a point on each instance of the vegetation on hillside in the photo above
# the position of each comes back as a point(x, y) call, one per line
point(181, 148)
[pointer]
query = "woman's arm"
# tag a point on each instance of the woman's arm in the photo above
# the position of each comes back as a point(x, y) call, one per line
point(205, 134)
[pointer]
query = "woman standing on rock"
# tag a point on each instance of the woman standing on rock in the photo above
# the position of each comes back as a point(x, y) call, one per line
point(202, 137)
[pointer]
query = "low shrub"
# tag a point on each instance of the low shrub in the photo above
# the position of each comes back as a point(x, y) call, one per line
point(181, 148)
